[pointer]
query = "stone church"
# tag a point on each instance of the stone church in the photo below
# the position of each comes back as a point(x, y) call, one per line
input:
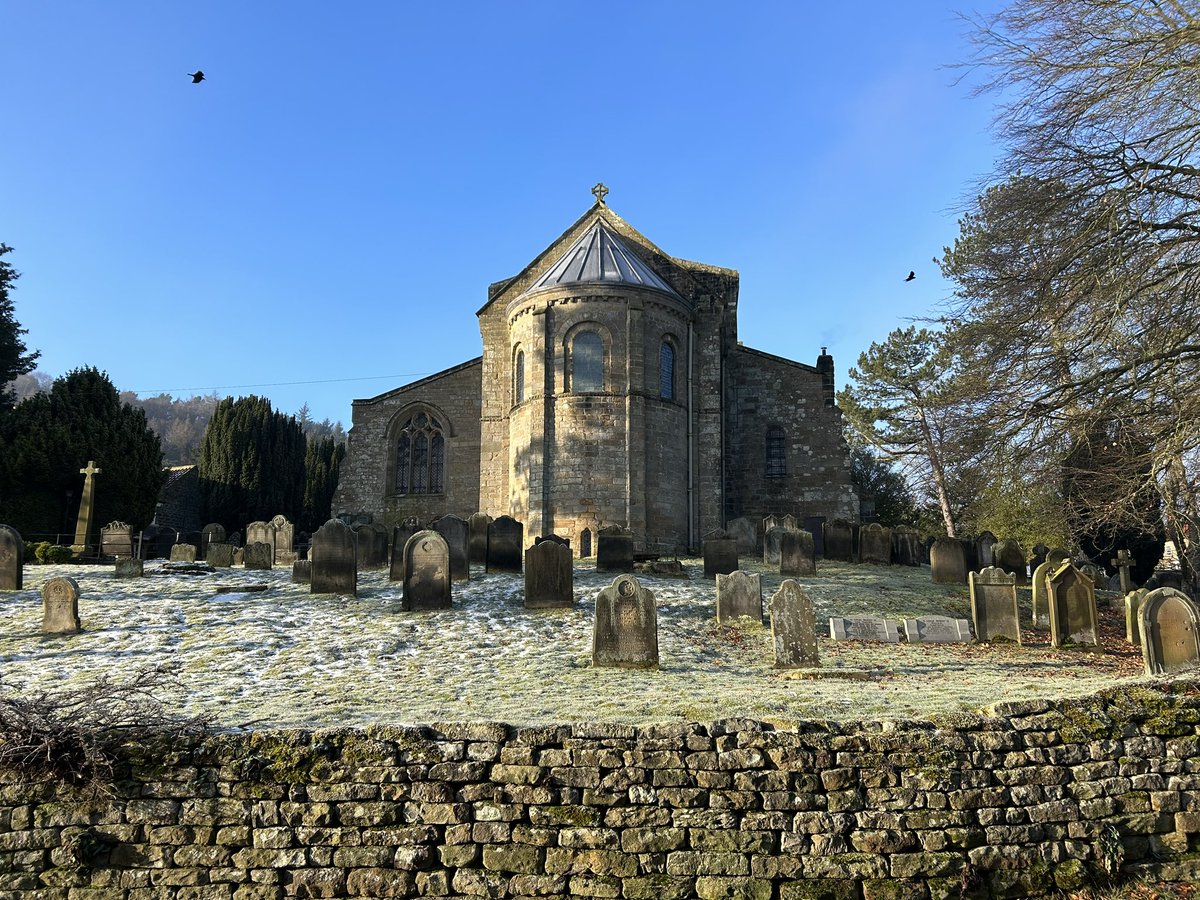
point(612, 390)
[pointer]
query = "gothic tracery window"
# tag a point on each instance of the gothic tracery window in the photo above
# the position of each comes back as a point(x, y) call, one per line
point(587, 363)
point(776, 451)
point(421, 456)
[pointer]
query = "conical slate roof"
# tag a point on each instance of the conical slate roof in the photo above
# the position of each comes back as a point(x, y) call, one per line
point(600, 256)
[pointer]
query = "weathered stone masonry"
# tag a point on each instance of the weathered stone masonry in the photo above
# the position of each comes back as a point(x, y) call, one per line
point(1027, 798)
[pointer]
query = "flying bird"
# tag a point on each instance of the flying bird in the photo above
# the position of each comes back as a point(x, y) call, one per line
point(197, 76)
point(911, 276)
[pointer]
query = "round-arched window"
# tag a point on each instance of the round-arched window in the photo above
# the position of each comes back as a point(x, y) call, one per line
point(666, 371)
point(587, 363)
point(519, 378)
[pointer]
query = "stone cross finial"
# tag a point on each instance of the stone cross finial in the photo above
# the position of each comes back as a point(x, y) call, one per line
point(600, 192)
point(91, 469)
point(1124, 562)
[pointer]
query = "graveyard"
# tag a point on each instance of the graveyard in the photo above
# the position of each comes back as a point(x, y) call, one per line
point(249, 648)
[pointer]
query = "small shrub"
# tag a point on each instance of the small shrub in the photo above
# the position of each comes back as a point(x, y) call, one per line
point(56, 553)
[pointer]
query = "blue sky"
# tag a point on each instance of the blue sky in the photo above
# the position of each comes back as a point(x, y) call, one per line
point(331, 203)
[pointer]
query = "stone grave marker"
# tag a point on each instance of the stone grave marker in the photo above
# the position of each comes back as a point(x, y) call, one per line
point(1114, 584)
point(427, 571)
point(790, 523)
point(937, 630)
point(1039, 556)
point(183, 553)
point(770, 522)
point(614, 549)
point(549, 576)
point(839, 540)
point(947, 563)
point(1052, 559)
point(477, 544)
point(986, 545)
point(157, 541)
point(12, 559)
point(772, 538)
point(129, 568)
point(258, 555)
point(797, 555)
point(60, 606)
point(1133, 615)
point(1092, 571)
point(906, 546)
point(285, 537)
point(334, 559)
point(239, 556)
point(87, 505)
point(220, 556)
point(234, 540)
point(553, 538)
point(506, 537)
point(720, 553)
point(1072, 600)
point(739, 594)
point(212, 533)
point(457, 534)
point(400, 535)
point(794, 628)
point(746, 534)
point(379, 545)
point(863, 628)
point(994, 605)
point(625, 634)
point(116, 539)
point(261, 533)
point(302, 571)
point(815, 525)
point(1170, 626)
point(875, 544)
point(1172, 578)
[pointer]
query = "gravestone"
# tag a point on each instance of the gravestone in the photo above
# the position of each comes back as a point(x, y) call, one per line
point(937, 630)
point(1072, 600)
point(875, 544)
point(549, 577)
point(986, 544)
point(285, 537)
point(994, 605)
point(220, 556)
point(790, 523)
point(129, 568)
point(797, 556)
point(87, 505)
point(334, 559)
point(261, 533)
point(815, 525)
point(863, 628)
point(258, 555)
point(739, 594)
point(427, 571)
point(116, 539)
point(234, 540)
point(504, 550)
point(372, 548)
point(1170, 626)
point(183, 553)
point(1114, 584)
point(720, 553)
point(12, 559)
point(457, 534)
point(212, 533)
point(770, 522)
point(477, 543)
point(400, 535)
point(947, 563)
point(1092, 571)
point(746, 535)
point(239, 556)
point(772, 538)
point(1038, 556)
point(839, 540)
point(553, 538)
point(625, 634)
point(906, 546)
point(1133, 615)
point(794, 628)
point(614, 549)
point(1172, 578)
point(60, 606)
point(1041, 592)
point(157, 541)
point(302, 571)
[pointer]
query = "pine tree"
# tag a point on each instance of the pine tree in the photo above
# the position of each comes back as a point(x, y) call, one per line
point(14, 358)
point(322, 464)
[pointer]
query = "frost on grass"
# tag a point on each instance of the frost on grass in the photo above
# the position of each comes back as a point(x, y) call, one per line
point(284, 657)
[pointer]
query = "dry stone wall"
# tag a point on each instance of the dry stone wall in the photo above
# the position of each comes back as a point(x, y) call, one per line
point(1033, 797)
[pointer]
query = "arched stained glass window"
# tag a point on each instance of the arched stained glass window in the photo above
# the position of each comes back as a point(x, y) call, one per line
point(666, 371)
point(776, 451)
point(587, 363)
point(585, 543)
point(519, 378)
point(421, 456)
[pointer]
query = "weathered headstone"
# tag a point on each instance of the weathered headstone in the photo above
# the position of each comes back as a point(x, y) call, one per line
point(12, 559)
point(739, 594)
point(60, 606)
point(1041, 592)
point(1039, 556)
point(937, 630)
point(334, 560)
point(1133, 615)
point(504, 550)
point(285, 538)
point(1170, 626)
point(1073, 617)
point(906, 546)
point(1172, 578)
point(947, 564)
point(372, 541)
point(994, 605)
point(457, 534)
point(234, 540)
point(87, 505)
point(790, 522)
point(549, 577)
point(626, 627)
point(720, 553)
point(427, 571)
point(794, 628)
point(797, 556)
point(553, 538)
point(863, 628)
point(239, 556)
point(746, 534)
point(772, 538)
point(212, 533)
point(258, 555)
point(875, 544)
point(770, 522)
point(220, 556)
point(1092, 571)
point(302, 571)
point(985, 544)
point(400, 535)
point(839, 540)
point(815, 525)
point(477, 544)
point(183, 553)
point(116, 539)
point(261, 533)
point(614, 549)
point(129, 568)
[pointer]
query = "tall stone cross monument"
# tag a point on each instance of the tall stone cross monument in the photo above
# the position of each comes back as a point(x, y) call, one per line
point(1124, 562)
point(84, 525)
